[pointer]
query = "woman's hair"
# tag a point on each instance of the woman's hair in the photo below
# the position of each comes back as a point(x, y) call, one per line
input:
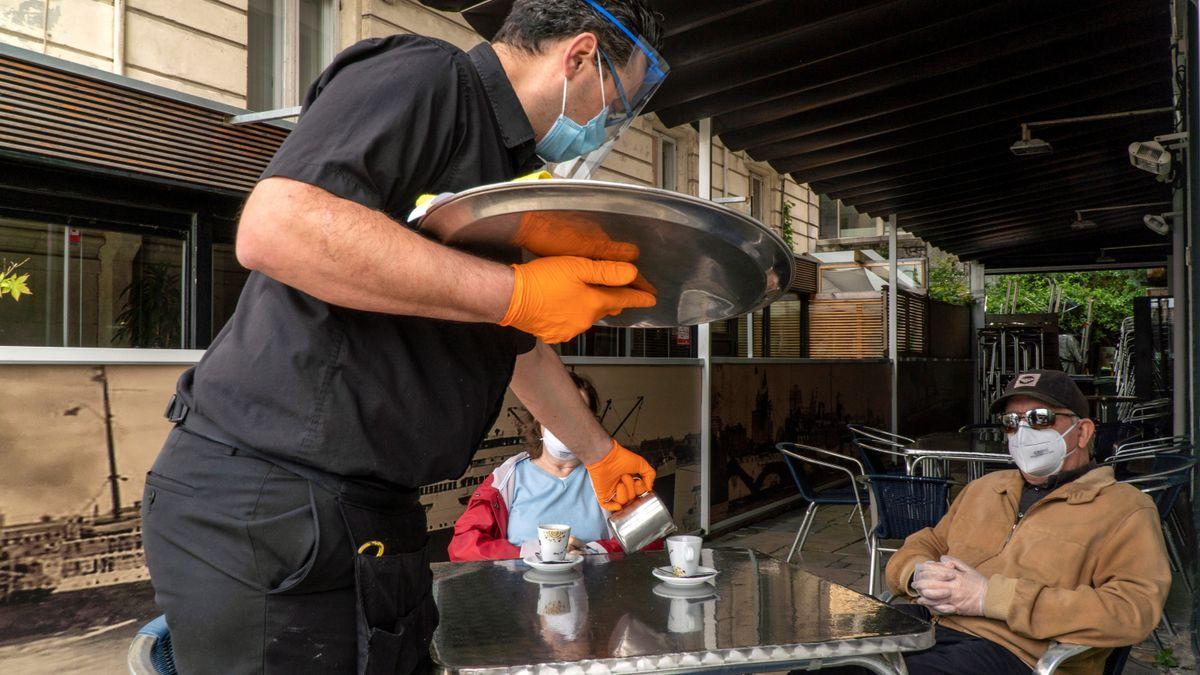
point(585, 386)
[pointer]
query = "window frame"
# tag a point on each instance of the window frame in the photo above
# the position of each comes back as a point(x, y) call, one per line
point(285, 55)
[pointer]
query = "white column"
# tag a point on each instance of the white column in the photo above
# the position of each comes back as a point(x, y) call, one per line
point(704, 349)
point(893, 332)
point(975, 281)
point(1179, 317)
point(118, 35)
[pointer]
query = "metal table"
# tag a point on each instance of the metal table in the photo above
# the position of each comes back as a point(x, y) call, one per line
point(613, 616)
point(955, 446)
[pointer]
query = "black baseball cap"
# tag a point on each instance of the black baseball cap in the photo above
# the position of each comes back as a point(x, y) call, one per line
point(1050, 386)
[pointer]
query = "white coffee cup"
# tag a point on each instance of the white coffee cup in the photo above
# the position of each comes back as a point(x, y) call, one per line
point(685, 554)
point(553, 539)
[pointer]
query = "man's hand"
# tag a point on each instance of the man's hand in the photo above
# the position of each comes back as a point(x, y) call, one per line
point(620, 477)
point(557, 298)
point(962, 593)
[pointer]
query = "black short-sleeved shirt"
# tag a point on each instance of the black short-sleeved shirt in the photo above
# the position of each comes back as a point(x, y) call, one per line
point(398, 400)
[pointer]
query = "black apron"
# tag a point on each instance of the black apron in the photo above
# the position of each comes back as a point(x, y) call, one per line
point(396, 613)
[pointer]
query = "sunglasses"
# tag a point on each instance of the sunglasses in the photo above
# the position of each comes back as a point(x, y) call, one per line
point(1038, 418)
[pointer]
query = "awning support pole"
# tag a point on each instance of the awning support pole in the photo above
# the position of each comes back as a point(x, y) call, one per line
point(893, 327)
point(975, 282)
point(704, 349)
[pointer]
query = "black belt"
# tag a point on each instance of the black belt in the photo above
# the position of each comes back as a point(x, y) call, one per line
point(355, 491)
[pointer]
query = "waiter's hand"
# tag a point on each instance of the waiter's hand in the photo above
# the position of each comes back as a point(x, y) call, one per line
point(559, 297)
point(620, 477)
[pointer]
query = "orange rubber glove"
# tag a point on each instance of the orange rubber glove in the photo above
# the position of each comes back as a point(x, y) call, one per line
point(620, 477)
point(559, 297)
point(556, 233)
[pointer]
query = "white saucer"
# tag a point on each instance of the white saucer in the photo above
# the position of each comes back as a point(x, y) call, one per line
point(701, 592)
point(535, 561)
point(552, 578)
point(703, 575)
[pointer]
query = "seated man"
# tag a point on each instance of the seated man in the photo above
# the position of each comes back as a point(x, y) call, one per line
point(1055, 550)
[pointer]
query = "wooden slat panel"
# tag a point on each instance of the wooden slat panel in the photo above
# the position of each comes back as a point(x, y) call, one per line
point(804, 275)
point(67, 116)
point(847, 328)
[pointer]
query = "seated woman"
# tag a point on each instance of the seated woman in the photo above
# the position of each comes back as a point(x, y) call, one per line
point(548, 484)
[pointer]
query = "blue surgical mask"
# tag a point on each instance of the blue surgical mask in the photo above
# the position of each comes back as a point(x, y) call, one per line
point(567, 139)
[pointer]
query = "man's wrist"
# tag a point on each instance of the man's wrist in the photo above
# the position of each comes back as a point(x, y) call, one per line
point(998, 598)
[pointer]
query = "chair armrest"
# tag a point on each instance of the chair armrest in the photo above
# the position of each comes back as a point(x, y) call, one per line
point(1055, 655)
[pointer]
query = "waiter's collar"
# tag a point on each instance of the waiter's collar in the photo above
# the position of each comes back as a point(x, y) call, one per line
point(514, 123)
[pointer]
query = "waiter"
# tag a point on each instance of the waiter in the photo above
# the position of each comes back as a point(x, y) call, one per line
point(281, 520)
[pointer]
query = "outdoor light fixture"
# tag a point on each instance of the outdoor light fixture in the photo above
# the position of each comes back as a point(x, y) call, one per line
point(1157, 222)
point(1151, 156)
point(1028, 145)
point(1081, 223)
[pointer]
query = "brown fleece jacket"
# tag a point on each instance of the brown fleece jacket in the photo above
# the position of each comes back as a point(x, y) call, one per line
point(1085, 565)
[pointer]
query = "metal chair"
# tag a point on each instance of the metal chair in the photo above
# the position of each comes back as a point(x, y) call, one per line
point(874, 455)
point(900, 506)
point(879, 435)
point(151, 653)
point(1153, 445)
point(1058, 652)
point(794, 452)
point(1169, 476)
point(1111, 435)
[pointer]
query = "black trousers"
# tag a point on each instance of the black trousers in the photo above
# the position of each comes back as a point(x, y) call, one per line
point(255, 567)
point(955, 653)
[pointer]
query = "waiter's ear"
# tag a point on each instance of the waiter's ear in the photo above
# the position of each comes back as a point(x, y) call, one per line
point(580, 53)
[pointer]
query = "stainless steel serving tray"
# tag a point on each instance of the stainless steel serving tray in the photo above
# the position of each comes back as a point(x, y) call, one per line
point(706, 262)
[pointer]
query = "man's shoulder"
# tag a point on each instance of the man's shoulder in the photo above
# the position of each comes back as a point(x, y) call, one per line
point(1124, 498)
point(401, 60)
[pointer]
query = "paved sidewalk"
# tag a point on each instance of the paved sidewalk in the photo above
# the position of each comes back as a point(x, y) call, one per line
point(835, 550)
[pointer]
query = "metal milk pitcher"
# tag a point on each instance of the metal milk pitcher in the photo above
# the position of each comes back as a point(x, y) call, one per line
point(641, 522)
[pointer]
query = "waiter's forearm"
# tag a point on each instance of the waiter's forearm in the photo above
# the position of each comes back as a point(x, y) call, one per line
point(541, 381)
point(349, 255)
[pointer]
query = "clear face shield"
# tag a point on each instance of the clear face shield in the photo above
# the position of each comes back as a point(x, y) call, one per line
point(643, 75)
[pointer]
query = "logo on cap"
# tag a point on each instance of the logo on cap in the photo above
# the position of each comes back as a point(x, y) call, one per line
point(1028, 380)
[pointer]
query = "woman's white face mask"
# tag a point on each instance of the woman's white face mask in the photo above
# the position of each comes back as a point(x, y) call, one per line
point(555, 447)
point(1039, 452)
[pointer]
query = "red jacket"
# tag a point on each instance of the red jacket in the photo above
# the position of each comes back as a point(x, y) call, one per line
point(481, 532)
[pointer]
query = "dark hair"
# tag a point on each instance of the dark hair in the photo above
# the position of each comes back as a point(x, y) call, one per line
point(532, 23)
point(593, 403)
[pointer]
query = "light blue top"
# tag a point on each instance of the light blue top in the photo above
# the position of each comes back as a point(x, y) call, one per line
point(539, 498)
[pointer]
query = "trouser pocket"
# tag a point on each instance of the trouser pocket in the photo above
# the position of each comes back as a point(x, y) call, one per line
point(396, 612)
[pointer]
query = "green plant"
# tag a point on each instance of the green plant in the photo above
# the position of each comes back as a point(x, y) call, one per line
point(12, 283)
point(150, 317)
point(1111, 291)
point(785, 224)
point(948, 282)
point(1165, 658)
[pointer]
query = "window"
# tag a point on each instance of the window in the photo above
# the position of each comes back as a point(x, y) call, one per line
point(289, 42)
point(666, 177)
point(840, 221)
point(757, 197)
point(99, 285)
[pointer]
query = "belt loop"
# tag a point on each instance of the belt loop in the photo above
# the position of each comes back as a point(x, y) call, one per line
point(177, 410)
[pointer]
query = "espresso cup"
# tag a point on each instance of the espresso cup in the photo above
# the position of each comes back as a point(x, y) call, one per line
point(553, 539)
point(685, 554)
point(685, 617)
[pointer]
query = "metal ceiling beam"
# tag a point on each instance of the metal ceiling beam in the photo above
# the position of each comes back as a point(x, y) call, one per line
point(863, 80)
point(868, 22)
point(1025, 71)
point(889, 35)
point(921, 123)
point(947, 147)
point(997, 219)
